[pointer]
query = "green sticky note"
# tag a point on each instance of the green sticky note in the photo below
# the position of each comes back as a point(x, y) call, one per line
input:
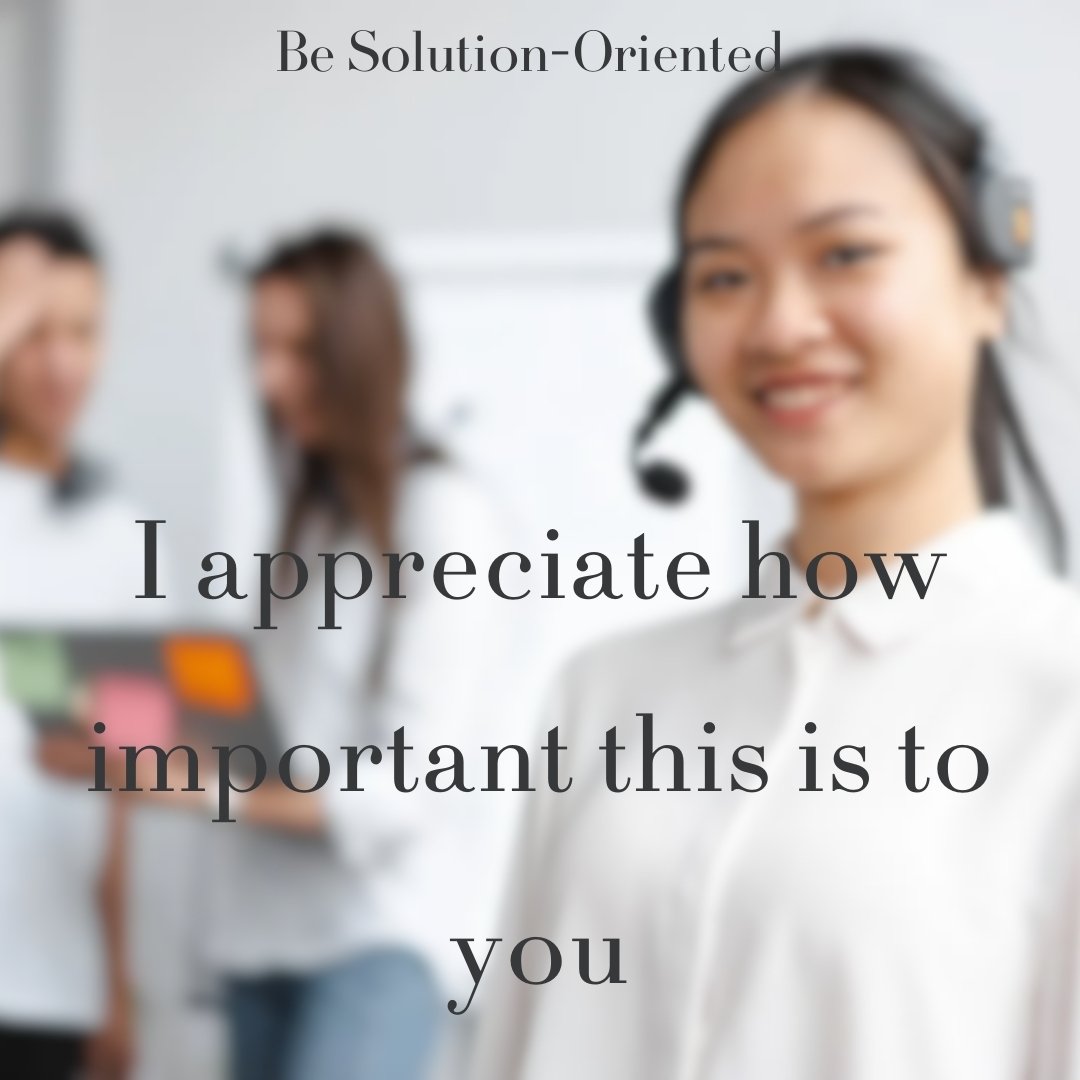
point(37, 673)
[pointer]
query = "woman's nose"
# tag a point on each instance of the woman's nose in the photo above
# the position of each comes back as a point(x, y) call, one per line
point(789, 317)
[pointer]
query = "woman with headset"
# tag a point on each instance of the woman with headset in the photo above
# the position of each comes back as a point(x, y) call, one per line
point(842, 285)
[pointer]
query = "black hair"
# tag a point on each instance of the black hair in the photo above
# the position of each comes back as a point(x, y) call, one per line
point(65, 237)
point(952, 147)
point(61, 233)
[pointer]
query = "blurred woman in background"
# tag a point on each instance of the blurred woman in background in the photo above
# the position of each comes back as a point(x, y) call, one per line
point(337, 909)
point(840, 293)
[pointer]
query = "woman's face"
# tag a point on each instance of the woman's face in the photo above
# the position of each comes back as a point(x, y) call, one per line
point(283, 329)
point(827, 307)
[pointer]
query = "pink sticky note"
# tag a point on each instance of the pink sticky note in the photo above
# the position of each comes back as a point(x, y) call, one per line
point(137, 710)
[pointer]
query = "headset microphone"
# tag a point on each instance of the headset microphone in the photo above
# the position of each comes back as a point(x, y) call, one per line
point(660, 479)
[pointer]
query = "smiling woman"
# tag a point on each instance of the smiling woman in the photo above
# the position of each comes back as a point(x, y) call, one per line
point(839, 298)
point(829, 279)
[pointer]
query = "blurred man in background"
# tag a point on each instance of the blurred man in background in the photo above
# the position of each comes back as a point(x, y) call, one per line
point(64, 1002)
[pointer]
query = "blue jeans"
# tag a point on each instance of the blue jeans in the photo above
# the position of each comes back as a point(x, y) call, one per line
point(374, 1017)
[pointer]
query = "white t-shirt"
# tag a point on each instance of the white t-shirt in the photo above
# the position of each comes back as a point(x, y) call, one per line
point(395, 869)
point(816, 935)
point(59, 564)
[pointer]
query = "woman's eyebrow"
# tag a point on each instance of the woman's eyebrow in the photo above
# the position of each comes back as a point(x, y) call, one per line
point(818, 220)
point(834, 214)
point(710, 243)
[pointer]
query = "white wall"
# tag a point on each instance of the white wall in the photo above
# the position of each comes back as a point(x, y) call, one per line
point(26, 99)
point(11, 100)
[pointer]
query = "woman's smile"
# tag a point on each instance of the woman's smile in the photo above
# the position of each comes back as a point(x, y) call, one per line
point(798, 400)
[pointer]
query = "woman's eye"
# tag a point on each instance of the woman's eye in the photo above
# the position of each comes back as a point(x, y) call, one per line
point(722, 280)
point(849, 254)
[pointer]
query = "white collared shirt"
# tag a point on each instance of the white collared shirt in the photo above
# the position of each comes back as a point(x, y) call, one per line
point(816, 935)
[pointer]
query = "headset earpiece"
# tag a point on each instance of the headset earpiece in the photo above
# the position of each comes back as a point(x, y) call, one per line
point(1006, 217)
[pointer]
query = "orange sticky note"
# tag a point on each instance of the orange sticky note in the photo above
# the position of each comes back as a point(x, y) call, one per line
point(137, 710)
point(210, 674)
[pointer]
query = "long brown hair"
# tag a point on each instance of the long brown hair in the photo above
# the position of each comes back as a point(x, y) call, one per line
point(361, 355)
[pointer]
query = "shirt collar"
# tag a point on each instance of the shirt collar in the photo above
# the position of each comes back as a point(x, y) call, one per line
point(987, 553)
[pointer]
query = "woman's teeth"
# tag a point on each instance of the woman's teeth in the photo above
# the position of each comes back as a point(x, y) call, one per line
point(803, 403)
point(799, 397)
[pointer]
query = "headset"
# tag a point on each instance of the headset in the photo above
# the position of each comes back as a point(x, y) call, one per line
point(81, 481)
point(1003, 205)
